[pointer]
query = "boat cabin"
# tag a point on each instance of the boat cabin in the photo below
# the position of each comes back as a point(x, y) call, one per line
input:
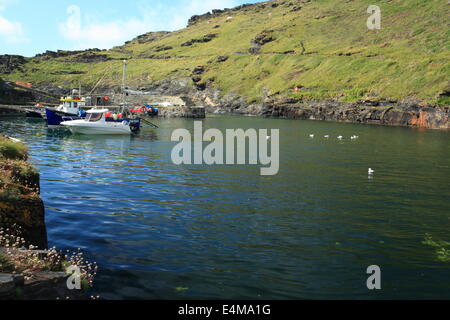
point(96, 115)
point(71, 105)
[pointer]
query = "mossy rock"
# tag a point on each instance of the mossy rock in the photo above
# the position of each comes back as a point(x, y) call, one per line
point(12, 150)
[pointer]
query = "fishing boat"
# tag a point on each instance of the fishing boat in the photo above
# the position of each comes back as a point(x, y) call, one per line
point(70, 109)
point(102, 122)
point(96, 123)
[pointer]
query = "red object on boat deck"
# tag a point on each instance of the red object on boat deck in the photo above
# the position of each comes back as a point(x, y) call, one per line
point(108, 115)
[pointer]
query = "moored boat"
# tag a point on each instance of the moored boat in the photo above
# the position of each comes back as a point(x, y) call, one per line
point(147, 110)
point(70, 109)
point(96, 123)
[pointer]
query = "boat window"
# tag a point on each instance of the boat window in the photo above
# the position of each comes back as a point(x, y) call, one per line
point(93, 117)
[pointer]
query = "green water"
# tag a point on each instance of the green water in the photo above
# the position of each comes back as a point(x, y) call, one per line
point(309, 232)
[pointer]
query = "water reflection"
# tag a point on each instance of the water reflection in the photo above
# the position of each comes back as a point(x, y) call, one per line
point(227, 232)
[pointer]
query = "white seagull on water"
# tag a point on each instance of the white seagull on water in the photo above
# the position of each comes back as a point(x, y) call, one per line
point(340, 137)
point(371, 172)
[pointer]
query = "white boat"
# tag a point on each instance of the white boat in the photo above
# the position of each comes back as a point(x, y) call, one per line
point(95, 123)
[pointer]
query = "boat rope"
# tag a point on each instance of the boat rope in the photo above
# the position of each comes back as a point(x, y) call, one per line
point(101, 79)
point(148, 122)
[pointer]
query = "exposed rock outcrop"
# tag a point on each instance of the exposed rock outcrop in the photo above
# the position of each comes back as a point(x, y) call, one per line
point(204, 39)
point(10, 63)
point(411, 114)
point(260, 40)
point(29, 215)
point(20, 204)
point(48, 285)
point(162, 48)
point(14, 94)
point(149, 37)
point(62, 53)
point(44, 285)
point(89, 57)
point(402, 114)
point(222, 59)
point(217, 12)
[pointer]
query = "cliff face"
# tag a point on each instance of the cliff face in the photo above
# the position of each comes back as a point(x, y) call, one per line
point(17, 94)
point(410, 115)
point(370, 111)
point(29, 215)
point(20, 204)
point(10, 63)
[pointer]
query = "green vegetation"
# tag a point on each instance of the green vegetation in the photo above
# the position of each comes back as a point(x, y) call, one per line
point(16, 174)
point(444, 101)
point(442, 248)
point(14, 258)
point(12, 150)
point(323, 47)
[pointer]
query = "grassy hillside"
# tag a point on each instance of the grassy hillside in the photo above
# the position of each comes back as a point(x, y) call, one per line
point(321, 46)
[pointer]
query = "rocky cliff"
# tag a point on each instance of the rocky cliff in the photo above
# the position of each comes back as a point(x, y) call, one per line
point(369, 111)
point(20, 204)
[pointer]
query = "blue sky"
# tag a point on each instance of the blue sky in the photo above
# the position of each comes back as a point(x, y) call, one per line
point(28, 27)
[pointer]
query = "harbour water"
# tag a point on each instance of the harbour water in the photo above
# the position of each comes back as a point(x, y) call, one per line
point(161, 231)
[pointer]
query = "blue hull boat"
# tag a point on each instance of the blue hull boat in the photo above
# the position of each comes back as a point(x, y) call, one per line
point(55, 118)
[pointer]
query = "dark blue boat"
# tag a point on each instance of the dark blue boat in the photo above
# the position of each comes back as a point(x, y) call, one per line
point(55, 118)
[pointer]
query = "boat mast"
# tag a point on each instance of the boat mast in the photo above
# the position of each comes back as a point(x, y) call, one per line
point(124, 80)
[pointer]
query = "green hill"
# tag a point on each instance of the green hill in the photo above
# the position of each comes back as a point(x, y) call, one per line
point(322, 47)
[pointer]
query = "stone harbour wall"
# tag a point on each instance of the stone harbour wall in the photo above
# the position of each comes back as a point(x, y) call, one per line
point(182, 112)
